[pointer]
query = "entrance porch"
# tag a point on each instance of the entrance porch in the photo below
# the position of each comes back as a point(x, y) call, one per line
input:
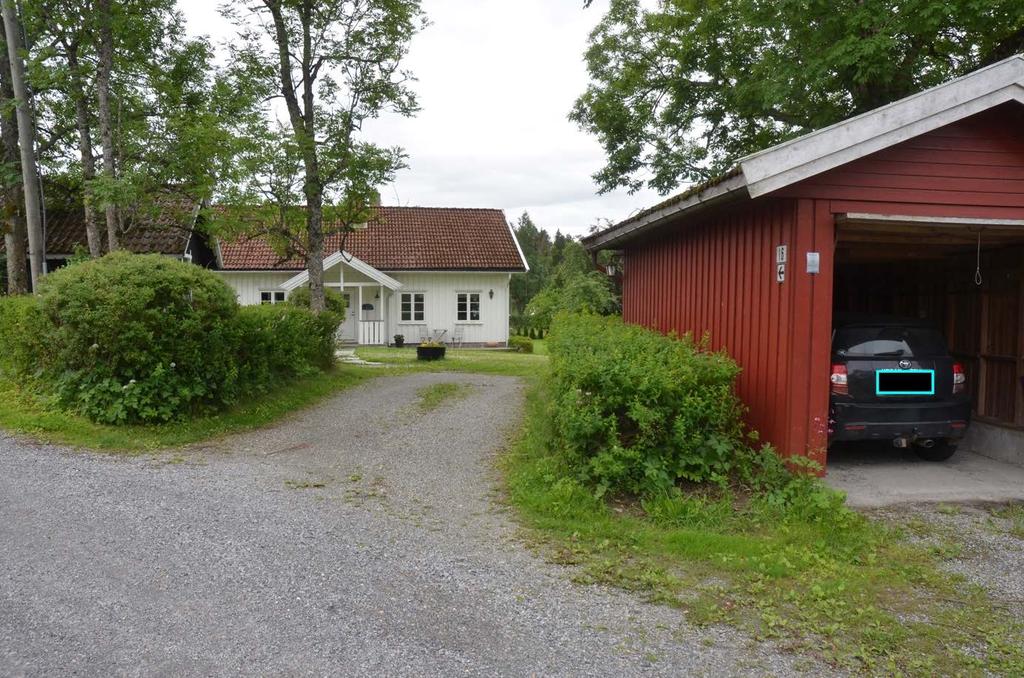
point(367, 293)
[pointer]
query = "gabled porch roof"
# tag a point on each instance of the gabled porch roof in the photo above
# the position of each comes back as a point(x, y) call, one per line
point(344, 259)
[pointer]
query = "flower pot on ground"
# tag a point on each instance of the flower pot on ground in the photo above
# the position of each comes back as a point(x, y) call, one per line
point(431, 350)
point(399, 340)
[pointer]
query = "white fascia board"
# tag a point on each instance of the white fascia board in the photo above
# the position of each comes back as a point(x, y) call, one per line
point(730, 188)
point(828, 148)
point(345, 259)
point(519, 249)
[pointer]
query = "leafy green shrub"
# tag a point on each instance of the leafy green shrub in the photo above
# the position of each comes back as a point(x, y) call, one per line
point(20, 317)
point(637, 411)
point(129, 338)
point(520, 344)
point(335, 302)
point(282, 341)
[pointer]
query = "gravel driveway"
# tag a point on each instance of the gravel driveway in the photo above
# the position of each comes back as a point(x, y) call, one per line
point(360, 537)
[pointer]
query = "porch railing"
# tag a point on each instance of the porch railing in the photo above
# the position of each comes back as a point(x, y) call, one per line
point(371, 333)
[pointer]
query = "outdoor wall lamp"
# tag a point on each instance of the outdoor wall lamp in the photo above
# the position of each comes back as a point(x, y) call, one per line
point(491, 294)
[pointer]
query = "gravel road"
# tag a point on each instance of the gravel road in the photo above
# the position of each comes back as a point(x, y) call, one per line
point(361, 537)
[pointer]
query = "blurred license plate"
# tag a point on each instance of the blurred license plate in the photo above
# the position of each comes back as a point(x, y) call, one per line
point(904, 382)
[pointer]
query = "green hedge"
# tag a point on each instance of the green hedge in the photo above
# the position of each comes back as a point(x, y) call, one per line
point(282, 341)
point(129, 338)
point(19, 338)
point(520, 344)
point(639, 412)
point(138, 338)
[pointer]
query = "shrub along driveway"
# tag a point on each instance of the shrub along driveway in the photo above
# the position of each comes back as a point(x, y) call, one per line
point(358, 537)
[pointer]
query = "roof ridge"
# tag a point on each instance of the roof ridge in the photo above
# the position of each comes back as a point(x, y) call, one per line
point(449, 209)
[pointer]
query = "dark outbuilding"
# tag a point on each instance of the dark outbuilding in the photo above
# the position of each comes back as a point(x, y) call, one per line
point(915, 209)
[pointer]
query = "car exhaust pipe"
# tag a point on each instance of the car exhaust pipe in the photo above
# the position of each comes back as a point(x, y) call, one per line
point(927, 443)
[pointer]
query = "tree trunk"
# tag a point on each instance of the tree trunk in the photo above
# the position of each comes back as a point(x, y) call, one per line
point(315, 251)
point(303, 120)
point(106, 66)
point(85, 150)
point(26, 143)
point(15, 235)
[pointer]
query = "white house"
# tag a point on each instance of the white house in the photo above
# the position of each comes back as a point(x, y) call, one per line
point(440, 273)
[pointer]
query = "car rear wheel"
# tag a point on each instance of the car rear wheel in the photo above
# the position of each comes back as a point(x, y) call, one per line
point(940, 451)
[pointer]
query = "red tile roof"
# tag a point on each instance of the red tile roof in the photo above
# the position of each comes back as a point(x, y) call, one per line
point(404, 239)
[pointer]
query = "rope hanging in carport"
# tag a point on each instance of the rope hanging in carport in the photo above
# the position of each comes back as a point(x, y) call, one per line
point(977, 272)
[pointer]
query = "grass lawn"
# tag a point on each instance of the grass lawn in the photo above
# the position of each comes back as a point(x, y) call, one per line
point(853, 591)
point(434, 396)
point(480, 361)
point(22, 413)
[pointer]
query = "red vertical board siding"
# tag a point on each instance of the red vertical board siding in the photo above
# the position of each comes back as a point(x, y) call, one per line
point(821, 331)
point(718, 277)
point(971, 168)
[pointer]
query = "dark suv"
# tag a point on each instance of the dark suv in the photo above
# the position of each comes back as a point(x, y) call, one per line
point(894, 380)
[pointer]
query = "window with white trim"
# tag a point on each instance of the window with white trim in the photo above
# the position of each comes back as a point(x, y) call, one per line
point(412, 307)
point(467, 307)
point(271, 297)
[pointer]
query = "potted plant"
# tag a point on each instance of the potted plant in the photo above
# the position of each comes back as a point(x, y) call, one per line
point(430, 350)
point(399, 340)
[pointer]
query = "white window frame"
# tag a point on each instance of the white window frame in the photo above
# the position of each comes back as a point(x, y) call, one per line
point(412, 308)
point(468, 320)
point(276, 297)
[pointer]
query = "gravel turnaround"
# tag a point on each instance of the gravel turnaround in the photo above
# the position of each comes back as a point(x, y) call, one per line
point(360, 537)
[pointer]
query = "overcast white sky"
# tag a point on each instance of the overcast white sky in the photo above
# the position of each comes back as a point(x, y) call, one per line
point(497, 79)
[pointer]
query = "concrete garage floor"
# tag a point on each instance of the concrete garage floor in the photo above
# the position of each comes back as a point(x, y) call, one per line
point(877, 475)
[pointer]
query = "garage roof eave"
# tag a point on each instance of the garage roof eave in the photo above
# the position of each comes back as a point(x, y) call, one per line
point(914, 220)
point(733, 188)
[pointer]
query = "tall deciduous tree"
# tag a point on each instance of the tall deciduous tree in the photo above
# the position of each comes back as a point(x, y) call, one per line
point(15, 233)
point(574, 287)
point(169, 122)
point(26, 140)
point(104, 14)
point(335, 64)
point(680, 91)
point(65, 70)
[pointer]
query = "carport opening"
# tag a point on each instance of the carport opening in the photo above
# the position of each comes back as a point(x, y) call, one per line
point(927, 269)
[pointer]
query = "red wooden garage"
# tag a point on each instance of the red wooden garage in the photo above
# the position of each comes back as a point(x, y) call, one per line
point(891, 211)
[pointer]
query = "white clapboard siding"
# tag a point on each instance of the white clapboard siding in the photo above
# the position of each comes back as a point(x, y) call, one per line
point(440, 291)
point(247, 285)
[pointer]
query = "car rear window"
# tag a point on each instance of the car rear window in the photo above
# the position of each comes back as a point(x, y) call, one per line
point(888, 341)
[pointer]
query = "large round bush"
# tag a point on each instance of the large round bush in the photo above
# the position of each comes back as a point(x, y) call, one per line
point(130, 338)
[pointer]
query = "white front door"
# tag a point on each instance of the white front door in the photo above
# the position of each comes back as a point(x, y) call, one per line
point(350, 326)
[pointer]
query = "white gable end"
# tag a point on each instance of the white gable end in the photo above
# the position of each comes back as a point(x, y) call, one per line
point(870, 132)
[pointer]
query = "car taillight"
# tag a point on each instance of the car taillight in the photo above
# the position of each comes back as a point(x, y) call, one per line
point(959, 378)
point(840, 385)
